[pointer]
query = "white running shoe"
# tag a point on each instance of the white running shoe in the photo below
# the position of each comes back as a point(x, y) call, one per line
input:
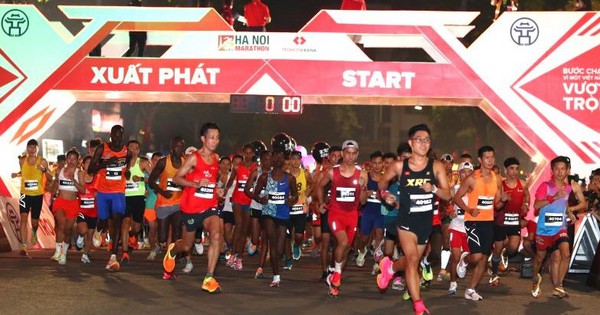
point(471, 294)
point(188, 267)
point(85, 258)
point(461, 268)
point(453, 287)
point(97, 239)
point(199, 248)
point(360, 259)
point(62, 259)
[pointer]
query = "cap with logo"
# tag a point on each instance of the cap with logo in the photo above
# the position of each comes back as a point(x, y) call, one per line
point(447, 157)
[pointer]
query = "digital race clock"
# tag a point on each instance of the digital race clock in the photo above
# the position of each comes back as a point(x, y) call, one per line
point(266, 104)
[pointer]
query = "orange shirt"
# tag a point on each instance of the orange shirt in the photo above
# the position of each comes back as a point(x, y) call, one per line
point(112, 178)
point(166, 183)
point(482, 197)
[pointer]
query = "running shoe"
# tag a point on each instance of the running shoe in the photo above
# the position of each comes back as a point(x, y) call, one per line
point(133, 243)
point(238, 266)
point(420, 308)
point(85, 258)
point(504, 261)
point(453, 287)
point(251, 248)
point(398, 284)
point(113, 264)
point(360, 259)
point(169, 260)
point(97, 239)
point(125, 258)
point(34, 239)
point(443, 276)
point(230, 260)
point(228, 255)
point(274, 284)
point(79, 244)
point(198, 249)
point(151, 255)
point(471, 294)
point(461, 267)
point(296, 252)
point(494, 280)
point(378, 255)
point(406, 295)
point(536, 289)
point(211, 285)
point(334, 292)
point(188, 267)
point(375, 269)
point(383, 279)
point(56, 254)
point(334, 279)
point(426, 271)
point(559, 292)
point(23, 251)
point(287, 264)
point(169, 275)
point(259, 274)
point(62, 259)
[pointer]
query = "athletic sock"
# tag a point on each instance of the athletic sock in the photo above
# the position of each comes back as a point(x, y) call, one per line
point(445, 257)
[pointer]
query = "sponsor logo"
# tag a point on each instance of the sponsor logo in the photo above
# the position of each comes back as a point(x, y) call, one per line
point(244, 43)
point(15, 23)
point(416, 182)
point(524, 32)
point(299, 46)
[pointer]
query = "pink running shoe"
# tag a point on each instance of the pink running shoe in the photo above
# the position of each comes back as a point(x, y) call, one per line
point(383, 279)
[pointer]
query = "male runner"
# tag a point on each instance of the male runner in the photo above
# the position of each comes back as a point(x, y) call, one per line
point(135, 199)
point(150, 209)
point(484, 190)
point(551, 207)
point(372, 219)
point(110, 163)
point(507, 229)
point(421, 179)
point(33, 169)
point(199, 175)
point(297, 224)
point(348, 192)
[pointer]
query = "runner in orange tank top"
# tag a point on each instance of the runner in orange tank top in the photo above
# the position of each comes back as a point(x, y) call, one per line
point(484, 191)
point(199, 203)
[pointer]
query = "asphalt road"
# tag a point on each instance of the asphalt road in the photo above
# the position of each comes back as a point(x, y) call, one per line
point(36, 285)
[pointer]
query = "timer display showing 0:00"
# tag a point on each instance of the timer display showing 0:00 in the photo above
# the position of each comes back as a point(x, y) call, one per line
point(289, 104)
point(266, 104)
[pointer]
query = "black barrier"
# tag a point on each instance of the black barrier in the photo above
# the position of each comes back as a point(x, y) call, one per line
point(593, 279)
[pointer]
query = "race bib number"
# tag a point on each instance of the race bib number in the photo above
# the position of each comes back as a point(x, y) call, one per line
point(373, 198)
point(114, 173)
point(297, 209)
point(31, 184)
point(485, 203)
point(241, 185)
point(345, 194)
point(421, 203)
point(277, 197)
point(554, 219)
point(131, 186)
point(65, 182)
point(511, 219)
point(205, 192)
point(171, 186)
point(86, 203)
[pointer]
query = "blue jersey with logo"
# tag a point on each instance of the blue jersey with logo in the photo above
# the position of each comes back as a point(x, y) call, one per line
point(278, 193)
point(552, 218)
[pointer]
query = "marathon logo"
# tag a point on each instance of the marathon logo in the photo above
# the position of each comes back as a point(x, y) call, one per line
point(345, 194)
point(485, 203)
point(171, 186)
point(244, 43)
point(205, 192)
point(421, 203)
point(86, 203)
point(277, 197)
point(417, 182)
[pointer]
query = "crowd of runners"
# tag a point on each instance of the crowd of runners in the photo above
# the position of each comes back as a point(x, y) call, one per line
point(403, 209)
